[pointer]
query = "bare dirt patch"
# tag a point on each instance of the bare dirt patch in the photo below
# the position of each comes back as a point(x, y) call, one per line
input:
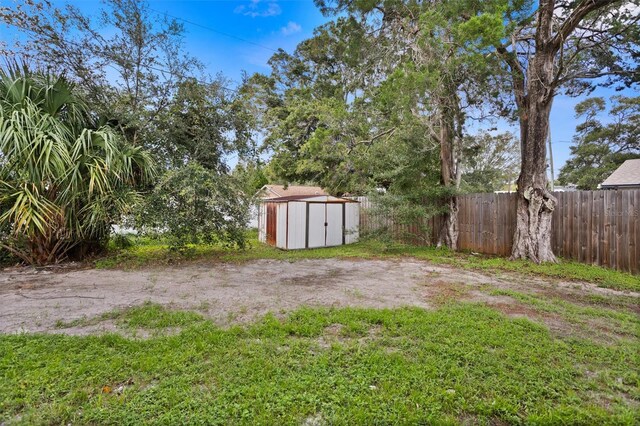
point(39, 300)
point(554, 322)
point(35, 301)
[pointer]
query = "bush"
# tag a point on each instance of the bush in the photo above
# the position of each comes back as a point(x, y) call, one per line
point(194, 205)
point(122, 241)
point(6, 257)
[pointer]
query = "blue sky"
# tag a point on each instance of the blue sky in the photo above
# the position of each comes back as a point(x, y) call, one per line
point(268, 24)
point(265, 26)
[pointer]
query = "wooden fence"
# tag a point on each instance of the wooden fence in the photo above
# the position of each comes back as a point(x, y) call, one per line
point(594, 227)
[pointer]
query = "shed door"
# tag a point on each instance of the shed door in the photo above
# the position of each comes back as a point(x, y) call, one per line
point(334, 225)
point(324, 225)
point(271, 223)
point(316, 221)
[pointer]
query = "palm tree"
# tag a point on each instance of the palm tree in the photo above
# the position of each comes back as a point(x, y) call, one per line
point(64, 180)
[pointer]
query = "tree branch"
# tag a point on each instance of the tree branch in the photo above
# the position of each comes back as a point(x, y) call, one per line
point(388, 132)
point(579, 13)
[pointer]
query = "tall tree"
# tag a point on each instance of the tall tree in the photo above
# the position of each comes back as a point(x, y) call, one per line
point(130, 63)
point(545, 46)
point(552, 45)
point(126, 59)
point(203, 123)
point(426, 44)
point(309, 107)
point(600, 147)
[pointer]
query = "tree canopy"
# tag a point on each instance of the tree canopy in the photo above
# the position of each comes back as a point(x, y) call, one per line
point(600, 147)
point(137, 76)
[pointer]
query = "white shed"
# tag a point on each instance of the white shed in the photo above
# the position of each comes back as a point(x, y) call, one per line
point(298, 222)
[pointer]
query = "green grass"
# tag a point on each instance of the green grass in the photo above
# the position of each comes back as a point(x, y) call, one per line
point(147, 316)
point(563, 270)
point(149, 252)
point(462, 362)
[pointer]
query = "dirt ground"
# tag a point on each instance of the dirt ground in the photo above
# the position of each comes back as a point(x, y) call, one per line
point(38, 300)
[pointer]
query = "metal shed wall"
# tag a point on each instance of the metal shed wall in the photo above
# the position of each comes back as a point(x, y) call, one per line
point(297, 225)
point(334, 224)
point(281, 225)
point(291, 223)
point(316, 231)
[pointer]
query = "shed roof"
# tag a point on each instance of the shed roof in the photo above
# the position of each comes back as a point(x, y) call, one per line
point(278, 191)
point(312, 199)
point(628, 174)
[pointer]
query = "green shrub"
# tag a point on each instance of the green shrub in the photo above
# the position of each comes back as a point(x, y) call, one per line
point(194, 205)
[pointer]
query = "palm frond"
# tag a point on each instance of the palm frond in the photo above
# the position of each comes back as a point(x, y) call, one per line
point(63, 180)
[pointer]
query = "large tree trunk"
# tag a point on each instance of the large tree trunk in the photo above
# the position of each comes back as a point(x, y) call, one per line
point(535, 204)
point(449, 231)
point(534, 95)
point(448, 235)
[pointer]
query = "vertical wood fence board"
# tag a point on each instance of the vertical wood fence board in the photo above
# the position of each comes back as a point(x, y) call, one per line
point(477, 234)
point(485, 226)
point(578, 212)
point(624, 233)
point(588, 213)
point(466, 222)
point(555, 235)
point(604, 236)
point(570, 242)
point(598, 238)
point(581, 219)
point(498, 225)
point(597, 227)
point(634, 230)
point(618, 233)
point(558, 218)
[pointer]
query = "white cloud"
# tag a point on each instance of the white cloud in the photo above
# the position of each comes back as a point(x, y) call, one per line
point(291, 28)
point(258, 8)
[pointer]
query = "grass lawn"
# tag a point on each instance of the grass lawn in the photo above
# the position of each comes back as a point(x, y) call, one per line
point(149, 252)
point(460, 363)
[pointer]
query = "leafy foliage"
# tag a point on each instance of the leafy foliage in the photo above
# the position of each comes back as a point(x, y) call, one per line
point(250, 176)
point(378, 100)
point(128, 73)
point(138, 77)
point(195, 205)
point(601, 147)
point(491, 162)
point(64, 180)
point(203, 124)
